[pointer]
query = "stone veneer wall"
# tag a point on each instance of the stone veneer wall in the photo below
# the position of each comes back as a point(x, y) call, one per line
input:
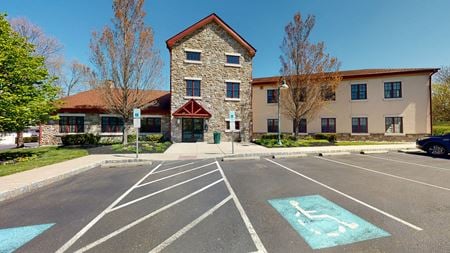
point(214, 43)
point(370, 137)
point(92, 124)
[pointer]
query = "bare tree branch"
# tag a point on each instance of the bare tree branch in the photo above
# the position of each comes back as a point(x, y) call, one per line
point(312, 74)
point(125, 59)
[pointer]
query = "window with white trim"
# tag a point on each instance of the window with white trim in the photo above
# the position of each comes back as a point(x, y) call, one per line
point(233, 89)
point(150, 125)
point(193, 56)
point(112, 124)
point(71, 124)
point(394, 125)
point(359, 125)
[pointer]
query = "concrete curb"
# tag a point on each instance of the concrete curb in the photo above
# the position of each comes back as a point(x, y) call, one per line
point(39, 184)
point(289, 156)
point(227, 159)
point(333, 153)
point(412, 150)
point(368, 152)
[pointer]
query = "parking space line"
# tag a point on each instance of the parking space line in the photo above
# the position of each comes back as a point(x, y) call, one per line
point(173, 175)
point(400, 161)
point(103, 213)
point(176, 167)
point(386, 174)
point(349, 197)
point(136, 222)
point(257, 241)
point(188, 227)
point(160, 191)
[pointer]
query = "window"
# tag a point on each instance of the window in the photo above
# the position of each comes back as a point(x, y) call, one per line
point(233, 59)
point(237, 125)
point(272, 96)
point(272, 126)
point(393, 90)
point(328, 93)
point(232, 89)
point(328, 125)
point(301, 126)
point(193, 56)
point(150, 125)
point(193, 88)
point(71, 124)
point(112, 124)
point(359, 125)
point(359, 91)
point(394, 125)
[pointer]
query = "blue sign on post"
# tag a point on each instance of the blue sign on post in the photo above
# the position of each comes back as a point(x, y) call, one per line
point(324, 224)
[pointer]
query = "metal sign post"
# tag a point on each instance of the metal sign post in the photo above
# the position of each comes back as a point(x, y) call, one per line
point(232, 117)
point(137, 125)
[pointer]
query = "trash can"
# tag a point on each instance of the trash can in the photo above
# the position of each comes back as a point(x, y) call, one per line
point(216, 137)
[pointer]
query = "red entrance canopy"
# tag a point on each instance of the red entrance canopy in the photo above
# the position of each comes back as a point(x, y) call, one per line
point(192, 109)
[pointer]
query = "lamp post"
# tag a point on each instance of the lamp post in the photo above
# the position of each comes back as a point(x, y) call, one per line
point(283, 86)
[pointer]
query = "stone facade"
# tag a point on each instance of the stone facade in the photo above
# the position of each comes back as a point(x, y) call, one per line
point(92, 124)
point(214, 42)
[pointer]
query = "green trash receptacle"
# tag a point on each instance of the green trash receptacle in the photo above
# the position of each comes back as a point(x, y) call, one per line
point(216, 137)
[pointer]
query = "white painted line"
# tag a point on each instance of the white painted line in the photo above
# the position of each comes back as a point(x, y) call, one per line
point(349, 197)
point(136, 222)
point(173, 175)
point(80, 233)
point(173, 168)
point(162, 190)
point(387, 174)
point(188, 227)
point(410, 163)
point(259, 245)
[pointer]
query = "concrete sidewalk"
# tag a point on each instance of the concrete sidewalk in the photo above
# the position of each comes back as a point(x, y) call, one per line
point(19, 183)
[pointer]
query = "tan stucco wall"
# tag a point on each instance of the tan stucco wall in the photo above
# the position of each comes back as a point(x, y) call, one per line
point(414, 107)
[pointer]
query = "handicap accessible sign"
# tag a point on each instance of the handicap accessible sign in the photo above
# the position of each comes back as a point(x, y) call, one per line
point(323, 224)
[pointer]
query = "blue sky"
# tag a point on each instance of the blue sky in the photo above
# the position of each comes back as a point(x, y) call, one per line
point(361, 33)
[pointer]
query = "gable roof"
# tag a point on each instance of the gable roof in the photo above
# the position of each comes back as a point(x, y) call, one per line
point(91, 101)
point(211, 18)
point(359, 73)
point(192, 109)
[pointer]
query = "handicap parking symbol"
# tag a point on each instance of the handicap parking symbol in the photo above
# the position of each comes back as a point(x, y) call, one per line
point(323, 224)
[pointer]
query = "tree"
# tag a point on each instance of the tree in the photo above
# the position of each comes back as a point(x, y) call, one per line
point(312, 74)
point(48, 47)
point(125, 59)
point(79, 76)
point(441, 96)
point(26, 90)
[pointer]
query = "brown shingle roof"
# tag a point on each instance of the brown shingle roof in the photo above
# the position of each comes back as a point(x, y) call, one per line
point(360, 73)
point(91, 101)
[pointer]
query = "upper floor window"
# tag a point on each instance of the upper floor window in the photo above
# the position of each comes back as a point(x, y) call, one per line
point(359, 91)
point(301, 126)
point(193, 56)
point(394, 125)
point(272, 125)
point(359, 125)
point(272, 96)
point(328, 125)
point(71, 124)
point(112, 124)
point(233, 59)
point(193, 88)
point(150, 125)
point(392, 89)
point(233, 89)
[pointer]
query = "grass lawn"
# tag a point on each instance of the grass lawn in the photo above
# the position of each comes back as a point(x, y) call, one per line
point(144, 147)
point(440, 128)
point(17, 160)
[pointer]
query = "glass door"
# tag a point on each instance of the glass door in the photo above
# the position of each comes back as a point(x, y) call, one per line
point(192, 130)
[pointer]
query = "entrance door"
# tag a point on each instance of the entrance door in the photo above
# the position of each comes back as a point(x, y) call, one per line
point(192, 130)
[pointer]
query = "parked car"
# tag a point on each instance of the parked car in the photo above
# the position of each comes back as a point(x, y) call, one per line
point(435, 145)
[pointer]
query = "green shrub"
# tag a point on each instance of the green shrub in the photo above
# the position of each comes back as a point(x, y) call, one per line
point(80, 139)
point(329, 137)
point(154, 137)
point(441, 129)
point(30, 139)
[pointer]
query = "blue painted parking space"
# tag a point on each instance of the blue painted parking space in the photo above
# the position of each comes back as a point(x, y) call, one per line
point(13, 238)
point(323, 224)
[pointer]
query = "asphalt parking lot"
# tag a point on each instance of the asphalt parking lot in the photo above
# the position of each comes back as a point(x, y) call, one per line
point(390, 202)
